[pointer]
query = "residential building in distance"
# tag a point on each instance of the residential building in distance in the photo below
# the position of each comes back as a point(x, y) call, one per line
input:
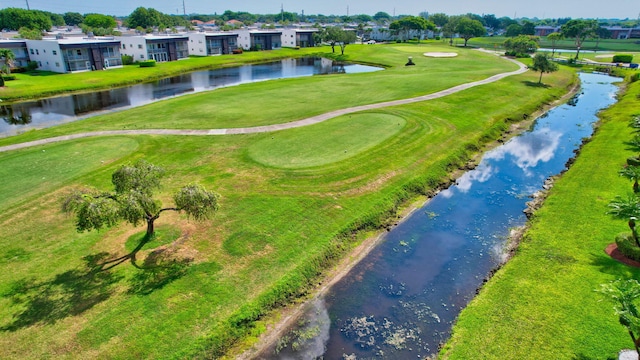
point(259, 39)
point(64, 55)
point(298, 37)
point(216, 43)
point(160, 48)
point(19, 49)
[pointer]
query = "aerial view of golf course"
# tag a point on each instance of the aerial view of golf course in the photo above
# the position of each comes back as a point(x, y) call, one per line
point(413, 198)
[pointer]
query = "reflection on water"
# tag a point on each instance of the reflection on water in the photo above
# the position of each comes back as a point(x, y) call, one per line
point(53, 111)
point(401, 300)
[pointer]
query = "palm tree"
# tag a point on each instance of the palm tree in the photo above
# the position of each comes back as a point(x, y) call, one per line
point(7, 57)
point(632, 173)
point(627, 209)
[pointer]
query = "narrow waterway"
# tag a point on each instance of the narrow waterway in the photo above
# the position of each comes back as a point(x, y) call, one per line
point(402, 299)
point(23, 116)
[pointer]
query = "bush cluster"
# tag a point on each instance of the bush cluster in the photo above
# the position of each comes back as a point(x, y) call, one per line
point(623, 58)
point(147, 63)
point(627, 246)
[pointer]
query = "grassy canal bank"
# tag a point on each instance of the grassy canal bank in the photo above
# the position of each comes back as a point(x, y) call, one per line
point(293, 202)
point(543, 303)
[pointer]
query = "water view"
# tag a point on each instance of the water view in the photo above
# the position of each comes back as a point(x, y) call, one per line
point(20, 117)
point(402, 299)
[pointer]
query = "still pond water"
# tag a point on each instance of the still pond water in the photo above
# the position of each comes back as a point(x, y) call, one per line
point(20, 117)
point(401, 300)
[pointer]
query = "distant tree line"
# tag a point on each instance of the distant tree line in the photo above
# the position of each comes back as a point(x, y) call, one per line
point(149, 18)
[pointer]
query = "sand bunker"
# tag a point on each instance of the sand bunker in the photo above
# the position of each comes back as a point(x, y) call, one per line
point(440, 54)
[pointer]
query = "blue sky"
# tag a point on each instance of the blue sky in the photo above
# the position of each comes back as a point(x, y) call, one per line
point(518, 8)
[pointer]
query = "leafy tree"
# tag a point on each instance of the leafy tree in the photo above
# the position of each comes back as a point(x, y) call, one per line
point(490, 20)
point(381, 17)
point(142, 17)
point(625, 295)
point(56, 19)
point(580, 30)
point(514, 30)
point(7, 56)
point(521, 45)
point(406, 24)
point(439, 19)
point(554, 37)
point(16, 18)
point(468, 28)
point(449, 29)
point(73, 18)
point(505, 21)
point(132, 200)
point(30, 34)
point(528, 28)
point(601, 33)
point(99, 21)
point(542, 63)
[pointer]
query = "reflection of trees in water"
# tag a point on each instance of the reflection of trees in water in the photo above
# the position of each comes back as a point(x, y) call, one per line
point(11, 116)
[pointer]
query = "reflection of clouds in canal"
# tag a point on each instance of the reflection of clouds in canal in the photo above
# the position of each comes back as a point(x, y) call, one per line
point(529, 150)
point(308, 341)
point(480, 174)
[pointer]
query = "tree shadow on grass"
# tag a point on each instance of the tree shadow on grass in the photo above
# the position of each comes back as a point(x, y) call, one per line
point(536, 84)
point(607, 265)
point(158, 269)
point(67, 294)
point(585, 357)
point(75, 291)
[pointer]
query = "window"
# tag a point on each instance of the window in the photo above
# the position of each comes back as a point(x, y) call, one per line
point(130, 45)
point(55, 52)
point(31, 50)
point(141, 56)
point(40, 63)
point(124, 46)
point(79, 52)
point(139, 46)
point(37, 53)
point(57, 64)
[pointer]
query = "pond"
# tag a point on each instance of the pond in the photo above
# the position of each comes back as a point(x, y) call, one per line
point(400, 302)
point(23, 116)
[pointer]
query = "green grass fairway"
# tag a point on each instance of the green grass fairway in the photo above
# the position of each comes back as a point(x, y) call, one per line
point(40, 170)
point(326, 143)
point(292, 203)
point(543, 304)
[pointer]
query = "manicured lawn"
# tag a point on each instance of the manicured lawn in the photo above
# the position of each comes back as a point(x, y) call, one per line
point(543, 304)
point(291, 201)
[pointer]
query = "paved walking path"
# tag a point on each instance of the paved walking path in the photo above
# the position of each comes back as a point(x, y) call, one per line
point(269, 128)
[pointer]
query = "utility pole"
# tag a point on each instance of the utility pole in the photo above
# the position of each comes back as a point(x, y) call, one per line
point(184, 9)
point(27, 4)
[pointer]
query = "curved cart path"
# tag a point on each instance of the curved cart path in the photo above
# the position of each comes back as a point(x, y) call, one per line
point(268, 128)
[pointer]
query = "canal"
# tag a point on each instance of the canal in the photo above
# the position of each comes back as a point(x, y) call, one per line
point(400, 302)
